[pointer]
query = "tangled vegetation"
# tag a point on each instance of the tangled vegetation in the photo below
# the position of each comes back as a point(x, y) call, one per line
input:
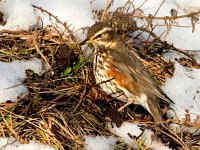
point(64, 103)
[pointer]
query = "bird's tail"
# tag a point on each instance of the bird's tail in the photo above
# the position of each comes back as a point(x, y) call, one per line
point(155, 110)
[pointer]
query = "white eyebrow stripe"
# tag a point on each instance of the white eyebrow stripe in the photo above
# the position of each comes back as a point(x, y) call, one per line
point(103, 30)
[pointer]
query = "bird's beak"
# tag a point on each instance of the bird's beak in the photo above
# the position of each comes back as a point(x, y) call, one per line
point(86, 41)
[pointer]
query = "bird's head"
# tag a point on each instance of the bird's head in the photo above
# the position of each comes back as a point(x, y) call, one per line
point(101, 34)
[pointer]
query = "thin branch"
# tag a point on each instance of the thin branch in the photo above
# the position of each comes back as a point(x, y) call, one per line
point(35, 35)
point(63, 24)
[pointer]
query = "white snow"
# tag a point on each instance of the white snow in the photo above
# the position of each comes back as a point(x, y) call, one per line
point(180, 37)
point(184, 89)
point(12, 75)
point(21, 15)
point(152, 143)
point(13, 144)
point(172, 56)
point(99, 143)
point(108, 143)
point(125, 129)
point(188, 6)
point(178, 129)
point(18, 13)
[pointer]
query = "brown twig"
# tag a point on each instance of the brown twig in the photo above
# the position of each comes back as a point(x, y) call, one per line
point(167, 45)
point(168, 17)
point(35, 36)
point(63, 24)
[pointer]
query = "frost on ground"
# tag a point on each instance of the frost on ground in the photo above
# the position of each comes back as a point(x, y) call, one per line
point(12, 75)
point(12, 144)
point(184, 89)
point(99, 143)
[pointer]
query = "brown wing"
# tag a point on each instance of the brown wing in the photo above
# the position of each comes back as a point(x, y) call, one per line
point(130, 66)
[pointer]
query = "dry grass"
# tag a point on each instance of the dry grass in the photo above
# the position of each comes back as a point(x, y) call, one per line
point(64, 103)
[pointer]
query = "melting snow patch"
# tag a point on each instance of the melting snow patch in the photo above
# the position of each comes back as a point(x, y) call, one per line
point(124, 130)
point(184, 89)
point(134, 130)
point(99, 143)
point(12, 75)
point(20, 14)
point(151, 143)
point(12, 144)
point(173, 56)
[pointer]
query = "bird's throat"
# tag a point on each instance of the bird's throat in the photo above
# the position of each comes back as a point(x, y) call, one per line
point(109, 45)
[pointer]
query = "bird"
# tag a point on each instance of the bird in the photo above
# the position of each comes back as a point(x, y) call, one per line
point(121, 74)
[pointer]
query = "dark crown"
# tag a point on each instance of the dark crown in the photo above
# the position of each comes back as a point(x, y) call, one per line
point(98, 27)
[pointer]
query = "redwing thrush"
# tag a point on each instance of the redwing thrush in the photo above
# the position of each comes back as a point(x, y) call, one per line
point(127, 79)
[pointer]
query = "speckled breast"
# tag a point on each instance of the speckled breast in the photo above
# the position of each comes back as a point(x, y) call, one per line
point(107, 83)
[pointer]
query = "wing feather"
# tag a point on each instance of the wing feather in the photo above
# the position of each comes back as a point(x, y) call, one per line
point(132, 67)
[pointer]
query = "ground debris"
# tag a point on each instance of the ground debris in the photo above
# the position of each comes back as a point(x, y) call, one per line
point(64, 104)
